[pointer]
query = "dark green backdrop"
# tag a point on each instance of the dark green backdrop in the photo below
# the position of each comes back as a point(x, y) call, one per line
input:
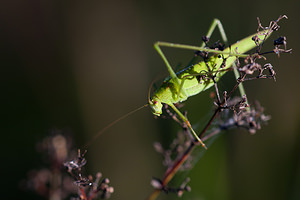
point(78, 65)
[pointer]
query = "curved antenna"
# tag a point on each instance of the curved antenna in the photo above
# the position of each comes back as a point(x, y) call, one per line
point(111, 124)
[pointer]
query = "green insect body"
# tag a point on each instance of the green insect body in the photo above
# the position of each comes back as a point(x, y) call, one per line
point(199, 77)
point(189, 81)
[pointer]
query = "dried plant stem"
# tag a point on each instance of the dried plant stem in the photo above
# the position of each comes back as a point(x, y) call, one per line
point(171, 171)
point(83, 195)
point(241, 79)
point(210, 121)
point(241, 86)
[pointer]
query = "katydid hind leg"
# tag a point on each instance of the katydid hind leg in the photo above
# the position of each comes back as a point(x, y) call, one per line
point(217, 23)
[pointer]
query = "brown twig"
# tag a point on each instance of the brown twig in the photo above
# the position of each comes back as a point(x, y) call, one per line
point(171, 171)
point(169, 174)
point(247, 69)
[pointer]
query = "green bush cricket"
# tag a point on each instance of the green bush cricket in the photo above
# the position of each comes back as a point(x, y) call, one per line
point(188, 82)
point(201, 76)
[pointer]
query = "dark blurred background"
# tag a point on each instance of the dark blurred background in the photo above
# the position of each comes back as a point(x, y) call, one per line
point(78, 65)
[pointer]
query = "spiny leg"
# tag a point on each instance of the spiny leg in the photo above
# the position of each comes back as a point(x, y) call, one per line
point(159, 44)
point(214, 24)
point(188, 124)
point(217, 23)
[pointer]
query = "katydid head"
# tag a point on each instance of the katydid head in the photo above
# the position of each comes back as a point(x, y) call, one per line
point(154, 102)
point(156, 106)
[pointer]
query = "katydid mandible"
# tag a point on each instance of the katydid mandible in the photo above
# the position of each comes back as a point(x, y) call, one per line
point(188, 82)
